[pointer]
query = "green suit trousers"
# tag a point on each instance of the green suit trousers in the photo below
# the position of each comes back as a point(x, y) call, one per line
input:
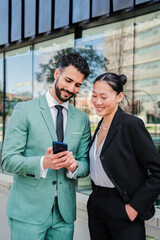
point(53, 228)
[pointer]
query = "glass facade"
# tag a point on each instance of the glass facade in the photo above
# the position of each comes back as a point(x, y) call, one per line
point(1, 102)
point(18, 79)
point(46, 58)
point(130, 47)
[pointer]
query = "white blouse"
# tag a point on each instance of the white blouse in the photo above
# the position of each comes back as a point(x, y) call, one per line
point(98, 175)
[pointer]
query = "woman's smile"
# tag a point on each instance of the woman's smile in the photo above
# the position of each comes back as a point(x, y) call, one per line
point(100, 109)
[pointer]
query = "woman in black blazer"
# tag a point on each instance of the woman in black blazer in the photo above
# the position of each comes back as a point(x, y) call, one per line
point(124, 167)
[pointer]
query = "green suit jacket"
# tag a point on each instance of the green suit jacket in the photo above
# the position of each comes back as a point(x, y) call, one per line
point(29, 133)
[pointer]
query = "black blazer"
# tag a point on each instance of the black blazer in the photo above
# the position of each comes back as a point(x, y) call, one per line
point(132, 162)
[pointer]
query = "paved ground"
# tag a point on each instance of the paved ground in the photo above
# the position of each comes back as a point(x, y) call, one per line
point(4, 228)
point(81, 229)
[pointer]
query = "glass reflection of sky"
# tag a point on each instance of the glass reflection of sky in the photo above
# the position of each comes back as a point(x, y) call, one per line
point(45, 51)
point(97, 43)
point(19, 72)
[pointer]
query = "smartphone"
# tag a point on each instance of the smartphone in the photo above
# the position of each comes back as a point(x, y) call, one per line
point(59, 147)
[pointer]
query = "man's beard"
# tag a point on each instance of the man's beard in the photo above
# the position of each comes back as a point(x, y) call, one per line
point(58, 92)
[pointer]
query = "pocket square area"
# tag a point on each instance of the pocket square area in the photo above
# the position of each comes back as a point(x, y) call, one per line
point(76, 133)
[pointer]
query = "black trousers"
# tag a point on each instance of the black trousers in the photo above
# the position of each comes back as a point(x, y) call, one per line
point(108, 219)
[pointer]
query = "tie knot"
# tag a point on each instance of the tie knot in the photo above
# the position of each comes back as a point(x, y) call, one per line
point(59, 108)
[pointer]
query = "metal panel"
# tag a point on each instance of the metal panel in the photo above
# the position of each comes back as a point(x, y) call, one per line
point(16, 20)
point(4, 21)
point(80, 10)
point(45, 10)
point(29, 18)
point(100, 7)
point(141, 1)
point(61, 13)
point(122, 4)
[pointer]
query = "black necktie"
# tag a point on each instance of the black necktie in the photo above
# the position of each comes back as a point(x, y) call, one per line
point(59, 123)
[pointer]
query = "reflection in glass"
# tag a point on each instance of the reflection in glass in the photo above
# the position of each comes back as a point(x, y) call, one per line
point(1, 103)
point(47, 56)
point(18, 78)
point(147, 74)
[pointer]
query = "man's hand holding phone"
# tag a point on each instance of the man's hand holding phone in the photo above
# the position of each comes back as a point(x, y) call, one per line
point(59, 158)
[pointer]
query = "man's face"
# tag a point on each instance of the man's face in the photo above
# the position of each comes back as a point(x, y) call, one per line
point(67, 83)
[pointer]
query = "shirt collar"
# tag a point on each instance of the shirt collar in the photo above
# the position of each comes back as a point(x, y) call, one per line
point(52, 101)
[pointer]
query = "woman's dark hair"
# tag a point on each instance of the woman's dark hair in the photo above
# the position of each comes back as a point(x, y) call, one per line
point(76, 60)
point(115, 81)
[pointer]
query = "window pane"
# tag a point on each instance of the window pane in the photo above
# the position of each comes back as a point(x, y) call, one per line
point(46, 59)
point(18, 78)
point(147, 73)
point(1, 104)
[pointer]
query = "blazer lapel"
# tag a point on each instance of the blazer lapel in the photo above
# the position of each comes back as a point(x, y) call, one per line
point(70, 124)
point(113, 128)
point(94, 135)
point(46, 114)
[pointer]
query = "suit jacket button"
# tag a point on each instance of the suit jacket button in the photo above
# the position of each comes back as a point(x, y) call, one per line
point(54, 182)
point(102, 157)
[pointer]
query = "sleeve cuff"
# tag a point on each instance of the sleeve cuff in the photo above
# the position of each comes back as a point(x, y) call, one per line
point(70, 174)
point(43, 172)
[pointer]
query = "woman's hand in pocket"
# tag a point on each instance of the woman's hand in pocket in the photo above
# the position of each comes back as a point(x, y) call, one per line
point(132, 213)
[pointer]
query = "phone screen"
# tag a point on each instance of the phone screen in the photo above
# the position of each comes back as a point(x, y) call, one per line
point(59, 147)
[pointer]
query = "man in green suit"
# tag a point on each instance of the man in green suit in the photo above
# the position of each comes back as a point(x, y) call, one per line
point(42, 199)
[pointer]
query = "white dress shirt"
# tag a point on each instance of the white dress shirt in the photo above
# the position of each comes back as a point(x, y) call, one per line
point(52, 103)
point(98, 175)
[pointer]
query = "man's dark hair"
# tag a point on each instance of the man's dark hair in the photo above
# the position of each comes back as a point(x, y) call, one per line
point(76, 60)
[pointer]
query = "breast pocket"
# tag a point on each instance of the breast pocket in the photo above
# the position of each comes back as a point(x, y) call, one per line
point(74, 141)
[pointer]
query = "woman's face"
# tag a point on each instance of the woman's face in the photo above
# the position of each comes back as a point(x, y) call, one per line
point(105, 99)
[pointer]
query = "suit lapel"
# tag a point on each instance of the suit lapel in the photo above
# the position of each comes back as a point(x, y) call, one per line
point(70, 124)
point(46, 114)
point(94, 135)
point(113, 128)
point(112, 131)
